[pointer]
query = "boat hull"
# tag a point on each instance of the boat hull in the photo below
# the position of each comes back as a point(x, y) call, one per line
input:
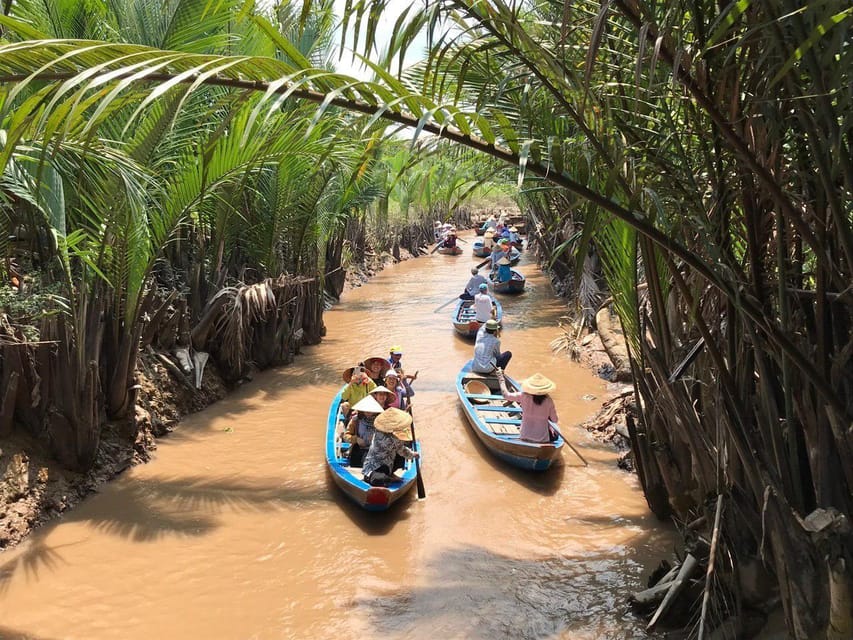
point(463, 318)
point(450, 251)
point(352, 484)
point(480, 250)
point(513, 285)
point(496, 425)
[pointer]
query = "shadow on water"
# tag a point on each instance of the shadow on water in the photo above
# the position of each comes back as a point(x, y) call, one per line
point(36, 558)
point(507, 597)
point(150, 511)
point(13, 634)
point(372, 523)
point(545, 483)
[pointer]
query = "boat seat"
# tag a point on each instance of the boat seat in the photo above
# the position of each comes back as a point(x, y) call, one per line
point(484, 396)
point(492, 407)
point(505, 429)
point(491, 421)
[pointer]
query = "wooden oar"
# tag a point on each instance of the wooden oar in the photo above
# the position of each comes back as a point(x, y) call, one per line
point(571, 446)
point(484, 262)
point(435, 248)
point(418, 479)
point(437, 309)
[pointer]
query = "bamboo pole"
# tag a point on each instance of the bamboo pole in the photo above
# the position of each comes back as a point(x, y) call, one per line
point(709, 574)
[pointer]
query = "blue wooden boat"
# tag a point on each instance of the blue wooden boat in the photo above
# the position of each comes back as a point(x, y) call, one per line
point(480, 250)
point(350, 479)
point(497, 423)
point(514, 285)
point(514, 256)
point(463, 318)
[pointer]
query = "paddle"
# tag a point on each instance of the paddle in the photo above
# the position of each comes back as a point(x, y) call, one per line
point(418, 479)
point(484, 262)
point(571, 446)
point(435, 248)
point(445, 304)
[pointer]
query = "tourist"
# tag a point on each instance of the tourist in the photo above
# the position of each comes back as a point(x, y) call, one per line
point(484, 305)
point(358, 387)
point(487, 349)
point(392, 428)
point(384, 396)
point(402, 386)
point(359, 431)
point(537, 407)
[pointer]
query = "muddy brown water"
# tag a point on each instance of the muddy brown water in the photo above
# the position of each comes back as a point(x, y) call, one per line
point(235, 529)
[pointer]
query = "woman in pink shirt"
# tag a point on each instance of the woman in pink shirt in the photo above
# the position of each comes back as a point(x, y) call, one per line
point(537, 407)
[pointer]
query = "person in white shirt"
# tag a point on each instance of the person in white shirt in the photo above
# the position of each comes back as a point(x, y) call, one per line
point(484, 306)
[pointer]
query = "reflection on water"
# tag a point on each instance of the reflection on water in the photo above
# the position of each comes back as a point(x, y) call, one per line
point(236, 530)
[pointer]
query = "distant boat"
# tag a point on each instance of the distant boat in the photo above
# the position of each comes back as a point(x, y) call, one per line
point(463, 318)
point(497, 425)
point(450, 251)
point(480, 249)
point(514, 256)
point(350, 479)
point(514, 285)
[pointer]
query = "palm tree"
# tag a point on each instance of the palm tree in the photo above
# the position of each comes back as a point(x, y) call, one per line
point(707, 139)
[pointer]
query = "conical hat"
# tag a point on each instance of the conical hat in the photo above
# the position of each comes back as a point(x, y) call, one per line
point(368, 404)
point(396, 422)
point(537, 385)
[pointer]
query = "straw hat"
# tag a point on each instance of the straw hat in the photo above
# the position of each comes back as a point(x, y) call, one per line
point(347, 373)
point(537, 385)
point(489, 234)
point(504, 260)
point(492, 325)
point(368, 404)
point(396, 422)
point(381, 389)
point(513, 228)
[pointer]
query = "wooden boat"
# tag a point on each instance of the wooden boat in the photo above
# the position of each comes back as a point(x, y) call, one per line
point(497, 423)
point(479, 230)
point(514, 256)
point(463, 318)
point(514, 285)
point(350, 479)
point(480, 250)
point(450, 251)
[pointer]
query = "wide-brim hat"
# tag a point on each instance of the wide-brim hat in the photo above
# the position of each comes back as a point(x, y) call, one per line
point(513, 228)
point(504, 260)
point(537, 385)
point(396, 422)
point(347, 373)
point(371, 363)
point(368, 404)
point(489, 234)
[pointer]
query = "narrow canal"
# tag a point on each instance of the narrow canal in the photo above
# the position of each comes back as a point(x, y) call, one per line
point(235, 529)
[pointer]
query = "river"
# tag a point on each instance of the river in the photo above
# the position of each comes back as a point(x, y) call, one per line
point(235, 530)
